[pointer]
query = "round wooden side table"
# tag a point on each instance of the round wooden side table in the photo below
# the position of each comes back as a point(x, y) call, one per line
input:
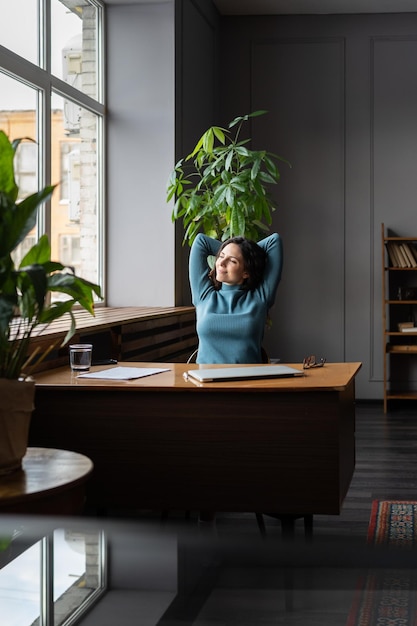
point(50, 482)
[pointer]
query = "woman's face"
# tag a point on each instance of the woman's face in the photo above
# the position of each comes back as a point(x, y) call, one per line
point(230, 266)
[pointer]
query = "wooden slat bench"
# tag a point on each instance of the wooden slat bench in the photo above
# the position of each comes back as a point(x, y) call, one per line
point(124, 333)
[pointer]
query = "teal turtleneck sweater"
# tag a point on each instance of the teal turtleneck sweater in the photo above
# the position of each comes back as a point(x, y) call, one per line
point(231, 321)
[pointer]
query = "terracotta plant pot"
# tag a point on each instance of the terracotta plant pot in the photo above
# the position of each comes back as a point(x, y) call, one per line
point(16, 406)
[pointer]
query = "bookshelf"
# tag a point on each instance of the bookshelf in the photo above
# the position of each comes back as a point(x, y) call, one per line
point(399, 316)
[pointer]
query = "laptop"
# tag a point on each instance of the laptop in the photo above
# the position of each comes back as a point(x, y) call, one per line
point(250, 372)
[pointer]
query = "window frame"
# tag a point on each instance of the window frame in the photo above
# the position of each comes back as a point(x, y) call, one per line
point(40, 78)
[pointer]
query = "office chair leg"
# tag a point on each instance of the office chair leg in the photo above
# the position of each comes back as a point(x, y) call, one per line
point(287, 524)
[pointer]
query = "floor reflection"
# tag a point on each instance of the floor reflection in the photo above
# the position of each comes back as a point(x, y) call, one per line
point(136, 573)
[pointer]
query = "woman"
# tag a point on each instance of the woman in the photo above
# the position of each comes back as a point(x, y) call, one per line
point(232, 300)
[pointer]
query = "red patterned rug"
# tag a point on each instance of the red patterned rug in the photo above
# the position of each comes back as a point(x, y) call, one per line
point(393, 523)
point(388, 597)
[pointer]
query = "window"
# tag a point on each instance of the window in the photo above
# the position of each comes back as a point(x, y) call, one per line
point(66, 148)
point(18, 34)
point(69, 251)
point(24, 248)
point(26, 164)
point(53, 579)
point(74, 58)
point(58, 102)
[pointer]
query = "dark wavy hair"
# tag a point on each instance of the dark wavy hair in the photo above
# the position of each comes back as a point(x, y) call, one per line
point(254, 259)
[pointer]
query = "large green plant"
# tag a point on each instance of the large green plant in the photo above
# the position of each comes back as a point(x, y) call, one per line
point(221, 187)
point(25, 303)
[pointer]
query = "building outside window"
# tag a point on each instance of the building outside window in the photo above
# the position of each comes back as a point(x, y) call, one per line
point(58, 102)
point(69, 251)
point(26, 163)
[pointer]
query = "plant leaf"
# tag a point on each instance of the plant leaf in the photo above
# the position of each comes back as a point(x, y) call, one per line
point(219, 133)
point(227, 189)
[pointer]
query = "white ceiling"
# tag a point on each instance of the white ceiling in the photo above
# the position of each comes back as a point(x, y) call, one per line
point(282, 7)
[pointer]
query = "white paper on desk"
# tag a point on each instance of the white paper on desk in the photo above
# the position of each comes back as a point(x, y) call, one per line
point(124, 373)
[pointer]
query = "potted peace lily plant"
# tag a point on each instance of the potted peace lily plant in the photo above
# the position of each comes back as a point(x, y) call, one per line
point(222, 187)
point(25, 305)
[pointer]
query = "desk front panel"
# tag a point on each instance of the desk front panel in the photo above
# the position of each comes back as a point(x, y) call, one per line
point(289, 452)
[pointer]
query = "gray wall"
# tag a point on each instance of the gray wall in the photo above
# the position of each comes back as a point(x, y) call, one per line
point(161, 76)
point(141, 134)
point(342, 98)
point(341, 92)
point(197, 97)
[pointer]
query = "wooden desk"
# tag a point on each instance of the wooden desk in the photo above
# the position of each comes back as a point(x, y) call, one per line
point(50, 481)
point(161, 442)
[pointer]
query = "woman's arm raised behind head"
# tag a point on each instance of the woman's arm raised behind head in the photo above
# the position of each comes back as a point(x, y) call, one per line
point(202, 247)
point(273, 270)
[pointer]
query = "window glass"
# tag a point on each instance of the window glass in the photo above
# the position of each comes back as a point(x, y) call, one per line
point(33, 594)
point(69, 151)
point(76, 571)
point(20, 585)
point(74, 218)
point(26, 168)
point(18, 105)
point(18, 119)
point(18, 34)
point(73, 161)
point(74, 44)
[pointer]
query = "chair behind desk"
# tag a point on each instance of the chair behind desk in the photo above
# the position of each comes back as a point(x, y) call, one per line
point(193, 356)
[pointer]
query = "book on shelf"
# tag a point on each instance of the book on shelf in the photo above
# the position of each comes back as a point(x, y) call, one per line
point(404, 326)
point(405, 256)
point(402, 254)
point(408, 255)
point(392, 254)
point(407, 327)
point(402, 348)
